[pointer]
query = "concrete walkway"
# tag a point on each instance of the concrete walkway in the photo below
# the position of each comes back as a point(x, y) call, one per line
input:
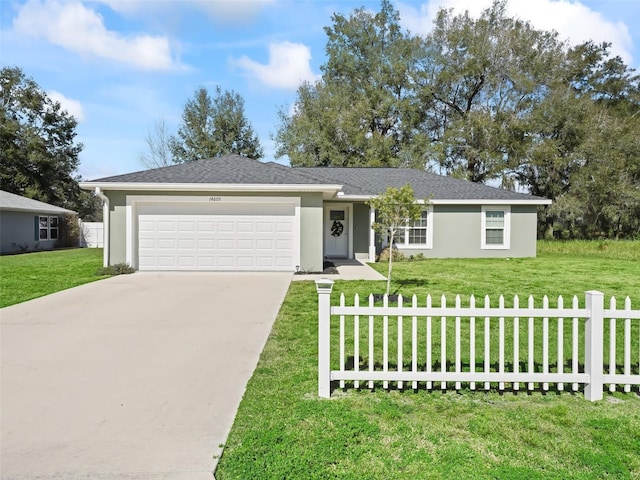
point(347, 270)
point(134, 377)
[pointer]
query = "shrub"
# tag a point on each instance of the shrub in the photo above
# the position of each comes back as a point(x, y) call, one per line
point(398, 256)
point(69, 231)
point(117, 269)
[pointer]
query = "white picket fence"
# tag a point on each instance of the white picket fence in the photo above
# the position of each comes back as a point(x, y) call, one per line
point(534, 345)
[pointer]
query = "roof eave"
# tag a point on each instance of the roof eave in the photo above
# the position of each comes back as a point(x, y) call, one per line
point(459, 201)
point(37, 210)
point(212, 187)
point(495, 201)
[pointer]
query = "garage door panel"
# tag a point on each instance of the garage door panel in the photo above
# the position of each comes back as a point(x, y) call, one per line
point(265, 262)
point(283, 261)
point(225, 261)
point(245, 261)
point(206, 226)
point(186, 243)
point(166, 226)
point(206, 244)
point(226, 244)
point(147, 226)
point(246, 227)
point(261, 239)
point(146, 243)
point(206, 261)
point(284, 227)
point(264, 227)
point(226, 227)
point(166, 261)
point(245, 244)
point(284, 244)
point(264, 244)
point(186, 261)
point(166, 243)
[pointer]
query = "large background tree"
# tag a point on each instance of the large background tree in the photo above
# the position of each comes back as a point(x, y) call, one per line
point(365, 110)
point(38, 150)
point(488, 99)
point(484, 77)
point(214, 126)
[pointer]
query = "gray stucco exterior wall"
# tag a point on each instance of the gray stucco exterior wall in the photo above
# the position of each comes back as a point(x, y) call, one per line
point(360, 230)
point(524, 230)
point(311, 255)
point(311, 239)
point(457, 233)
point(18, 232)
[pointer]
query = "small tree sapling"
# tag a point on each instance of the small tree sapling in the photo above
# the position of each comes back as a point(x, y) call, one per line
point(396, 209)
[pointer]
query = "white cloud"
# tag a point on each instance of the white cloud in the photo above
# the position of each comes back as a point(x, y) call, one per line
point(288, 66)
point(237, 11)
point(73, 107)
point(573, 20)
point(71, 25)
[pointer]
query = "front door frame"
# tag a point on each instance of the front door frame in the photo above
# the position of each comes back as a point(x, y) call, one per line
point(349, 208)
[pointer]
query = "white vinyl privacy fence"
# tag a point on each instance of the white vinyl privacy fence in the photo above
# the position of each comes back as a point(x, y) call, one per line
point(439, 345)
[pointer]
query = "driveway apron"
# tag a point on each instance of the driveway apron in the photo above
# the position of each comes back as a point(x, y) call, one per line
point(136, 376)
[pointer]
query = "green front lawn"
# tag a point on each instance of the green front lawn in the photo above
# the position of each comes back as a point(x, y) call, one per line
point(283, 430)
point(31, 275)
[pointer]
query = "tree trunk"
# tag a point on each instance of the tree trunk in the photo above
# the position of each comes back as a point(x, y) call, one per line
point(391, 235)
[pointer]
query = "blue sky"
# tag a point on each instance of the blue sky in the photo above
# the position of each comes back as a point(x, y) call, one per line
point(119, 65)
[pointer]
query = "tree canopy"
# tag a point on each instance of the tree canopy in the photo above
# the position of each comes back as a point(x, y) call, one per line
point(365, 111)
point(488, 99)
point(214, 126)
point(38, 149)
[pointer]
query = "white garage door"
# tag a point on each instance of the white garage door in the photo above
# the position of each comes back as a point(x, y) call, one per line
point(256, 236)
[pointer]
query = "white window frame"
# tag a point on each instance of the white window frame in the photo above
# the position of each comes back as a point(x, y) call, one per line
point(402, 240)
point(506, 244)
point(48, 228)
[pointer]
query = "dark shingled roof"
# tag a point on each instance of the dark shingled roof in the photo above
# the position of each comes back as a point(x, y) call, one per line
point(426, 185)
point(225, 169)
point(235, 169)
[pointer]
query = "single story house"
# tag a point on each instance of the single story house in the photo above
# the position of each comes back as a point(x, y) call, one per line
point(27, 225)
point(234, 213)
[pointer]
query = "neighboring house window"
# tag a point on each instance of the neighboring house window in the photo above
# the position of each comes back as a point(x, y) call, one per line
point(419, 234)
point(48, 228)
point(496, 231)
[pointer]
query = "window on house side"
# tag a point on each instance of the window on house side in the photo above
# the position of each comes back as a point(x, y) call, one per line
point(48, 227)
point(418, 234)
point(495, 227)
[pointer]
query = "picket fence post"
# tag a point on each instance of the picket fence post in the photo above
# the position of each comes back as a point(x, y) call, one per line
point(594, 348)
point(324, 287)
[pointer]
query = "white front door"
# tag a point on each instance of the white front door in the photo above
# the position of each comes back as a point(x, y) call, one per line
point(336, 232)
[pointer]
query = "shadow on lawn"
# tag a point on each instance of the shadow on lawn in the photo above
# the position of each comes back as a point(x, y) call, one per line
point(436, 385)
point(410, 282)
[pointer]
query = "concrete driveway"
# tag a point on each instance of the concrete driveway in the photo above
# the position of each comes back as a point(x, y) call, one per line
point(137, 376)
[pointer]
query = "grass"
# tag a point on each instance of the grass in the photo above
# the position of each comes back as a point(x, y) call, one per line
point(284, 431)
point(32, 275)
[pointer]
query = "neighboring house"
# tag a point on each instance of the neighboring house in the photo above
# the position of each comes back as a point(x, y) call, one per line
point(27, 225)
point(234, 213)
